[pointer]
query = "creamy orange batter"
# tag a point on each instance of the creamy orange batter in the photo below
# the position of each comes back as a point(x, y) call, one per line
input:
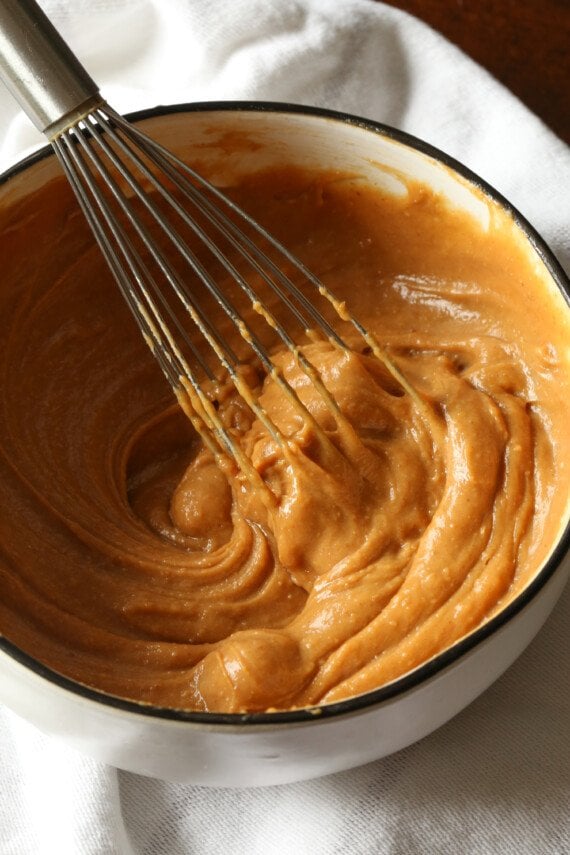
point(129, 561)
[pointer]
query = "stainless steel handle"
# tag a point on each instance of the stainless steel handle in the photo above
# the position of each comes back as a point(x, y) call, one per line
point(40, 70)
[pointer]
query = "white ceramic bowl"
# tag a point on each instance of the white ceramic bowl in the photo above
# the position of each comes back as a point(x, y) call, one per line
point(272, 748)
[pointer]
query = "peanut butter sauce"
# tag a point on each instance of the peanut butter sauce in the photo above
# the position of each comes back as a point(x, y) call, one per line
point(129, 561)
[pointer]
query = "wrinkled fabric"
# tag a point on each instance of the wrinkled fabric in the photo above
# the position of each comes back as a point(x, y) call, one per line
point(496, 778)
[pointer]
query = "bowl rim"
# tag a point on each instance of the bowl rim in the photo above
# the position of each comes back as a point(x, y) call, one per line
point(435, 665)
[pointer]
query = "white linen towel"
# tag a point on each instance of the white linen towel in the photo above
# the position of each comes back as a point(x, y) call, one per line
point(496, 779)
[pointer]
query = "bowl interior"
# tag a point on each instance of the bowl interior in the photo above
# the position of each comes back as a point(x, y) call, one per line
point(226, 144)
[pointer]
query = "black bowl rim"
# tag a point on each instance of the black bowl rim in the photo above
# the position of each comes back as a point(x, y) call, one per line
point(432, 667)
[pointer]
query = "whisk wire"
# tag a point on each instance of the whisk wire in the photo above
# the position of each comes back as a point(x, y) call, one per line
point(155, 329)
point(228, 230)
point(195, 312)
point(156, 332)
point(167, 159)
point(260, 261)
point(102, 139)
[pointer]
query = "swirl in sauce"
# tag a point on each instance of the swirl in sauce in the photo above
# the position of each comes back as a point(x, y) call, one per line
point(130, 563)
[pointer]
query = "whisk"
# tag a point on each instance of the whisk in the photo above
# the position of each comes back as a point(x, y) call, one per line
point(141, 202)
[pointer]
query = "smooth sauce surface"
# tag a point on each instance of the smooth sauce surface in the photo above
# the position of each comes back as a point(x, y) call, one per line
point(128, 563)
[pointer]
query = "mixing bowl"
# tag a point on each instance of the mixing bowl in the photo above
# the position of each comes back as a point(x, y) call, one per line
point(278, 747)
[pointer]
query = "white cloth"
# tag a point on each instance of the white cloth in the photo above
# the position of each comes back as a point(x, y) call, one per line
point(497, 778)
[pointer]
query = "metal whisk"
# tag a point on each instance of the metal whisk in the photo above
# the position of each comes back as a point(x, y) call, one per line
point(148, 210)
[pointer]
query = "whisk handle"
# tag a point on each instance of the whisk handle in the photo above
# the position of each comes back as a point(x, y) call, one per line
point(40, 70)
